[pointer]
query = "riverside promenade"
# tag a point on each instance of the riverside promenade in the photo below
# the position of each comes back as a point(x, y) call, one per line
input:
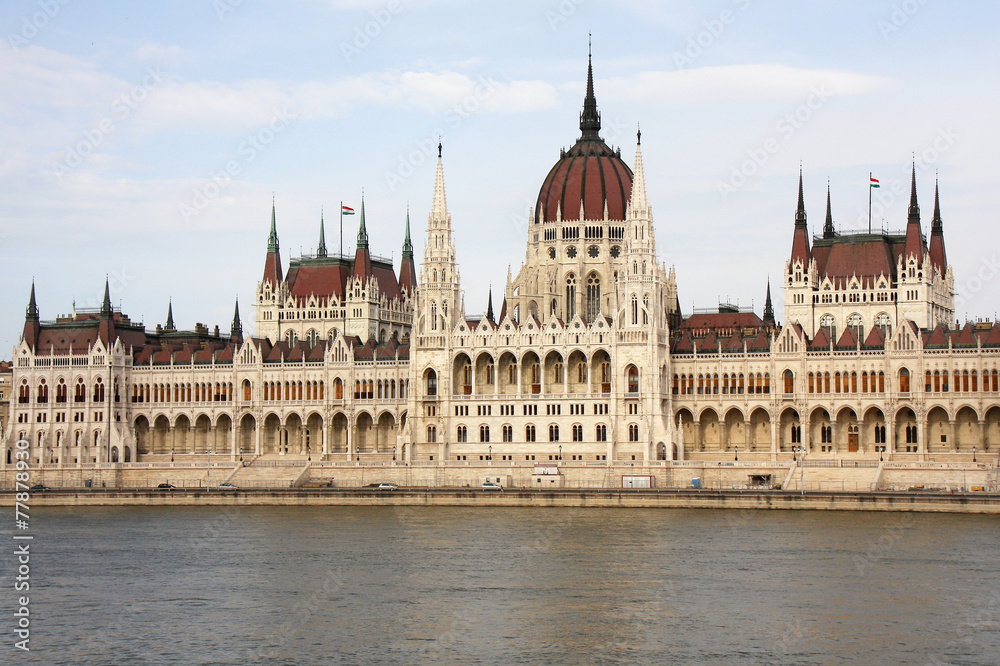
point(916, 500)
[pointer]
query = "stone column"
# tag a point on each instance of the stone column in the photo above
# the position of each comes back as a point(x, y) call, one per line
point(953, 435)
point(749, 436)
point(775, 432)
point(326, 438)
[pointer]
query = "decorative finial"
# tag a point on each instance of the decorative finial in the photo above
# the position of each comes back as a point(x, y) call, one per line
point(439, 146)
point(638, 134)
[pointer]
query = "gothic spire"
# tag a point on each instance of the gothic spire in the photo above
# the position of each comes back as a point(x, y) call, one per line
point(938, 255)
point(321, 249)
point(489, 305)
point(439, 207)
point(590, 118)
point(362, 231)
point(914, 210)
point(407, 244)
point(32, 311)
point(914, 235)
point(800, 211)
point(106, 305)
point(638, 203)
point(768, 307)
point(272, 239)
point(236, 331)
point(936, 222)
point(828, 230)
point(800, 238)
point(170, 316)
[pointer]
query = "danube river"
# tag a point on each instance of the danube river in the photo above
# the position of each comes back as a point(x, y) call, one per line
point(359, 585)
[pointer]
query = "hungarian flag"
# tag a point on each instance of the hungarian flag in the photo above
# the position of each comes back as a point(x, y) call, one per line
point(346, 210)
point(874, 182)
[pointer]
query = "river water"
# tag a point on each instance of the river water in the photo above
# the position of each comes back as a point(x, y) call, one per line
point(356, 585)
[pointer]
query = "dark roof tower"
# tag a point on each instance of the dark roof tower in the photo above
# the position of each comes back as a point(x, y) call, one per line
point(170, 317)
point(321, 248)
point(106, 327)
point(800, 239)
point(32, 325)
point(272, 263)
point(914, 234)
point(768, 306)
point(590, 117)
point(938, 255)
point(236, 331)
point(362, 258)
point(407, 270)
point(489, 305)
point(828, 230)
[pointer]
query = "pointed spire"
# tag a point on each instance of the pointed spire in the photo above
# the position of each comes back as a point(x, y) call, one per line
point(638, 203)
point(800, 211)
point(914, 235)
point(407, 244)
point(236, 331)
point(768, 307)
point(106, 305)
point(439, 207)
point(590, 119)
point(362, 230)
point(170, 316)
point(938, 255)
point(272, 239)
point(489, 305)
point(828, 230)
point(321, 249)
point(32, 311)
point(914, 210)
point(800, 238)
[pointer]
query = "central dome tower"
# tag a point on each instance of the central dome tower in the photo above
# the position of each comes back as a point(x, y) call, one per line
point(590, 173)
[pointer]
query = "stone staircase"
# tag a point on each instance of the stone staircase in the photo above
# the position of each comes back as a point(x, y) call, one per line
point(833, 479)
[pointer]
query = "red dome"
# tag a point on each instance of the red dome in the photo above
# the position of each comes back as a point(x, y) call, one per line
point(589, 173)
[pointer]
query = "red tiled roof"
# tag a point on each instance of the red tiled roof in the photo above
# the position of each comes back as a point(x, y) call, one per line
point(821, 342)
point(875, 339)
point(864, 257)
point(589, 172)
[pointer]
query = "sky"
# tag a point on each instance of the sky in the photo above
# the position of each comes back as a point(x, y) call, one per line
point(143, 143)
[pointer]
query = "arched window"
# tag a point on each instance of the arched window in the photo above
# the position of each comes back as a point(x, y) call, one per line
point(484, 433)
point(570, 296)
point(635, 310)
point(99, 390)
point(883, 322)
point(247, 390)
point(61, 390)
point(828, 323)
point(593, 296)
point(632, 378)
point(529, 433)
point(80, 394)
point(43, 392)
point(633, 432)
point(462, 435)
point(431, 434)
point(789, 377)
point(904, 381)
point(432, 385)
point(553, 433)
point(434, 313)
point(855, 323)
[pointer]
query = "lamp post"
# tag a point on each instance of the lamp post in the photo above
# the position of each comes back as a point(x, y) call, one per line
point(490, 456)
point(973, 454)
point(737, 455)
point(802, 467)
point(171, 454)
point(208, 472)
point(393, 453)
point(560, 452)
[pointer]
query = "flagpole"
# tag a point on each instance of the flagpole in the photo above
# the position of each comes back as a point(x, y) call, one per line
point(870, 188)
point(342, 224)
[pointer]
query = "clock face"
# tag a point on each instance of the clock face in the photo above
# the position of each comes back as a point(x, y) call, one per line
point(615, 251)
point(594, 252)
point(571, 252)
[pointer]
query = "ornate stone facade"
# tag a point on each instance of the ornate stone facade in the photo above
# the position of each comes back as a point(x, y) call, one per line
point(589, 361)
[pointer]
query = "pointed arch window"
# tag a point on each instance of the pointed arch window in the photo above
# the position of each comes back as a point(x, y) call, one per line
point(570, 296)
point(593, 296)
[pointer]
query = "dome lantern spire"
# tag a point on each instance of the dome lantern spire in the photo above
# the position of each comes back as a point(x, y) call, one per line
point(590, 118)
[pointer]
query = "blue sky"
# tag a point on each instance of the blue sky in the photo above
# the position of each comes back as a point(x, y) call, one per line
point(144, 141)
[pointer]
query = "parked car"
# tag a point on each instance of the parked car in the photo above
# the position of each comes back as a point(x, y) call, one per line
point(387, 486)
point(166, 486)
point(489, 485)
point(227, 486)
point(38, 487)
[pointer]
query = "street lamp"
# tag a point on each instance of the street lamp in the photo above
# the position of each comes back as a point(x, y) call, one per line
point(560, 452)
point(171, 454)
point(393, 453)
point(802, 467)
point(737, 456)
point(208, 473)
point(490, 456)
point(973, 454)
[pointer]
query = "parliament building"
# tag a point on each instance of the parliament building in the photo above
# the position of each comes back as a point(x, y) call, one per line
point(586, 360)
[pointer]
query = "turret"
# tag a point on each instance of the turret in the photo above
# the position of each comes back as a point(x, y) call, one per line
point(362, 258)
point(236, 331)
point(407, 271)
point(272, 263)
point(590, 117)
point(768, 306)
point(938, 255)
point(828, 230)
point(321, 248)
point(106, 327)
point(170, 317)
point(800, 238)
point(914, 236)
point(32, 325)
